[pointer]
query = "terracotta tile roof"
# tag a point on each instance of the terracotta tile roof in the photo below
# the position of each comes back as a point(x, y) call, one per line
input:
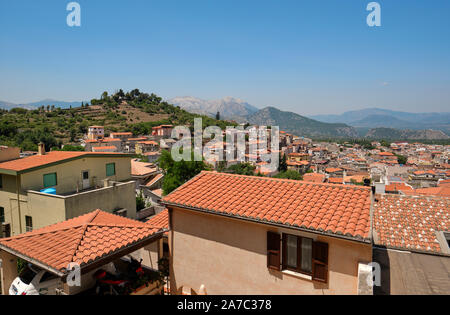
point(99, 149)
point(158, 192)
point(336, 180)
point(314, 178)
point(160, 220)
point(142, 168)
point(41, 160)
point(83, 240)
point(154, 180)
point(110, 140)
point(355, 178)
point(148, 142)
point(410, 222)
point(443, 191)
point(297, 163)
point(333, 170)
point(396, 187)
point(334, 209)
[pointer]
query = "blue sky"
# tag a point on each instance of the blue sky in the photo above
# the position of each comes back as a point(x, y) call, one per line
point(310, 57)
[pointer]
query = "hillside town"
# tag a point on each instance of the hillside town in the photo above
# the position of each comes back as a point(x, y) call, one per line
point(221, 156)
point(383, 206)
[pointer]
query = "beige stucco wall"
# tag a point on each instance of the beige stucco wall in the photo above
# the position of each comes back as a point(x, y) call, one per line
point(48, 209)
point(69, 173)
point(7, 154)
point(228, 256)
point(149, 254)
point(45, 209)
point(8, 200)
point(8, 271)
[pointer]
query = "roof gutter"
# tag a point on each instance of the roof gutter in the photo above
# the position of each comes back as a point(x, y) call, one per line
point(353, 239)
point(63, 274)
point(32, 261)
point(92, 155)
point(92, 265)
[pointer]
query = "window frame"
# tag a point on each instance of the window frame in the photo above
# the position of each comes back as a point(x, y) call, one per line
point(299, 254)
point(109, 164)
point(56, 180)
point(1, 181)
point(2, 215)
point(28, 228)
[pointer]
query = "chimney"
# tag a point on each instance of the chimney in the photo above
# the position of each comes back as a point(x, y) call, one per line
point(41, 149)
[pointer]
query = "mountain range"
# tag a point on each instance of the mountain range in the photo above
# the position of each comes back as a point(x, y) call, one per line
point(373, 123)
point(368, 118)
point(228, 107)
point(370, 123)
point(300, 125)
point(34, 105)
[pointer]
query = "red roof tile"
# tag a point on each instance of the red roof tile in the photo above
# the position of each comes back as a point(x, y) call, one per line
point(82, 240)
point(161, 220)
point(386, 154)
point(410, 222)
point(442, 191)
point(142, 168)
point(97, 149)
point(314, 178)
point(336, 180)
point(154, 180)
point(49, 158)
point(333, 170)
point(335, 209)
point(396, 187)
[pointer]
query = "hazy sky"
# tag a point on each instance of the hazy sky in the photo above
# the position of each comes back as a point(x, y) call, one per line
point(310, 57)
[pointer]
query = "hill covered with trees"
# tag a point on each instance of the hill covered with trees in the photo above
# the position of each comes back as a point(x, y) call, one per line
point(133, 111)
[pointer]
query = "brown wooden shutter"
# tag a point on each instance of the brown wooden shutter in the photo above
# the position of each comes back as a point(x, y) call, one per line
point(284, 252)
point(320, 261)
point(273, 251)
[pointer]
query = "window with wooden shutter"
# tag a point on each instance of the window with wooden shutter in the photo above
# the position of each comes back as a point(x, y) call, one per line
point(320, 261)
point(273, 251)
point(50, 180)
point(111, 169)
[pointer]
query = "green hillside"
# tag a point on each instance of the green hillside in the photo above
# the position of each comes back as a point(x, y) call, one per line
point(299, 125)
point(132, 111)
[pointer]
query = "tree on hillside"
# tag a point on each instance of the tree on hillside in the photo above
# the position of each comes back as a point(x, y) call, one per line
point(289, 175)
point(283, 163)
point(72, 148)
point(218, 116)
point(241, 169)
point(178, 173)
point(401, 159)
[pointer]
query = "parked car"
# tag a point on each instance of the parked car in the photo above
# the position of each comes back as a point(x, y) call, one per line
point(34, 281)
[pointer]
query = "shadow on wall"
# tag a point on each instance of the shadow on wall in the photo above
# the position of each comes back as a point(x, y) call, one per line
point(380, 255)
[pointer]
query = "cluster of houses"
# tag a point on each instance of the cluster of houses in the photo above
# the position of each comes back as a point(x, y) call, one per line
point(358, 223)
point(125, 142)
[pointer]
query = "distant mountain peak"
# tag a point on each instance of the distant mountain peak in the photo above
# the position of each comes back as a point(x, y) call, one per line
point(45, 102)
point(229, 107)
